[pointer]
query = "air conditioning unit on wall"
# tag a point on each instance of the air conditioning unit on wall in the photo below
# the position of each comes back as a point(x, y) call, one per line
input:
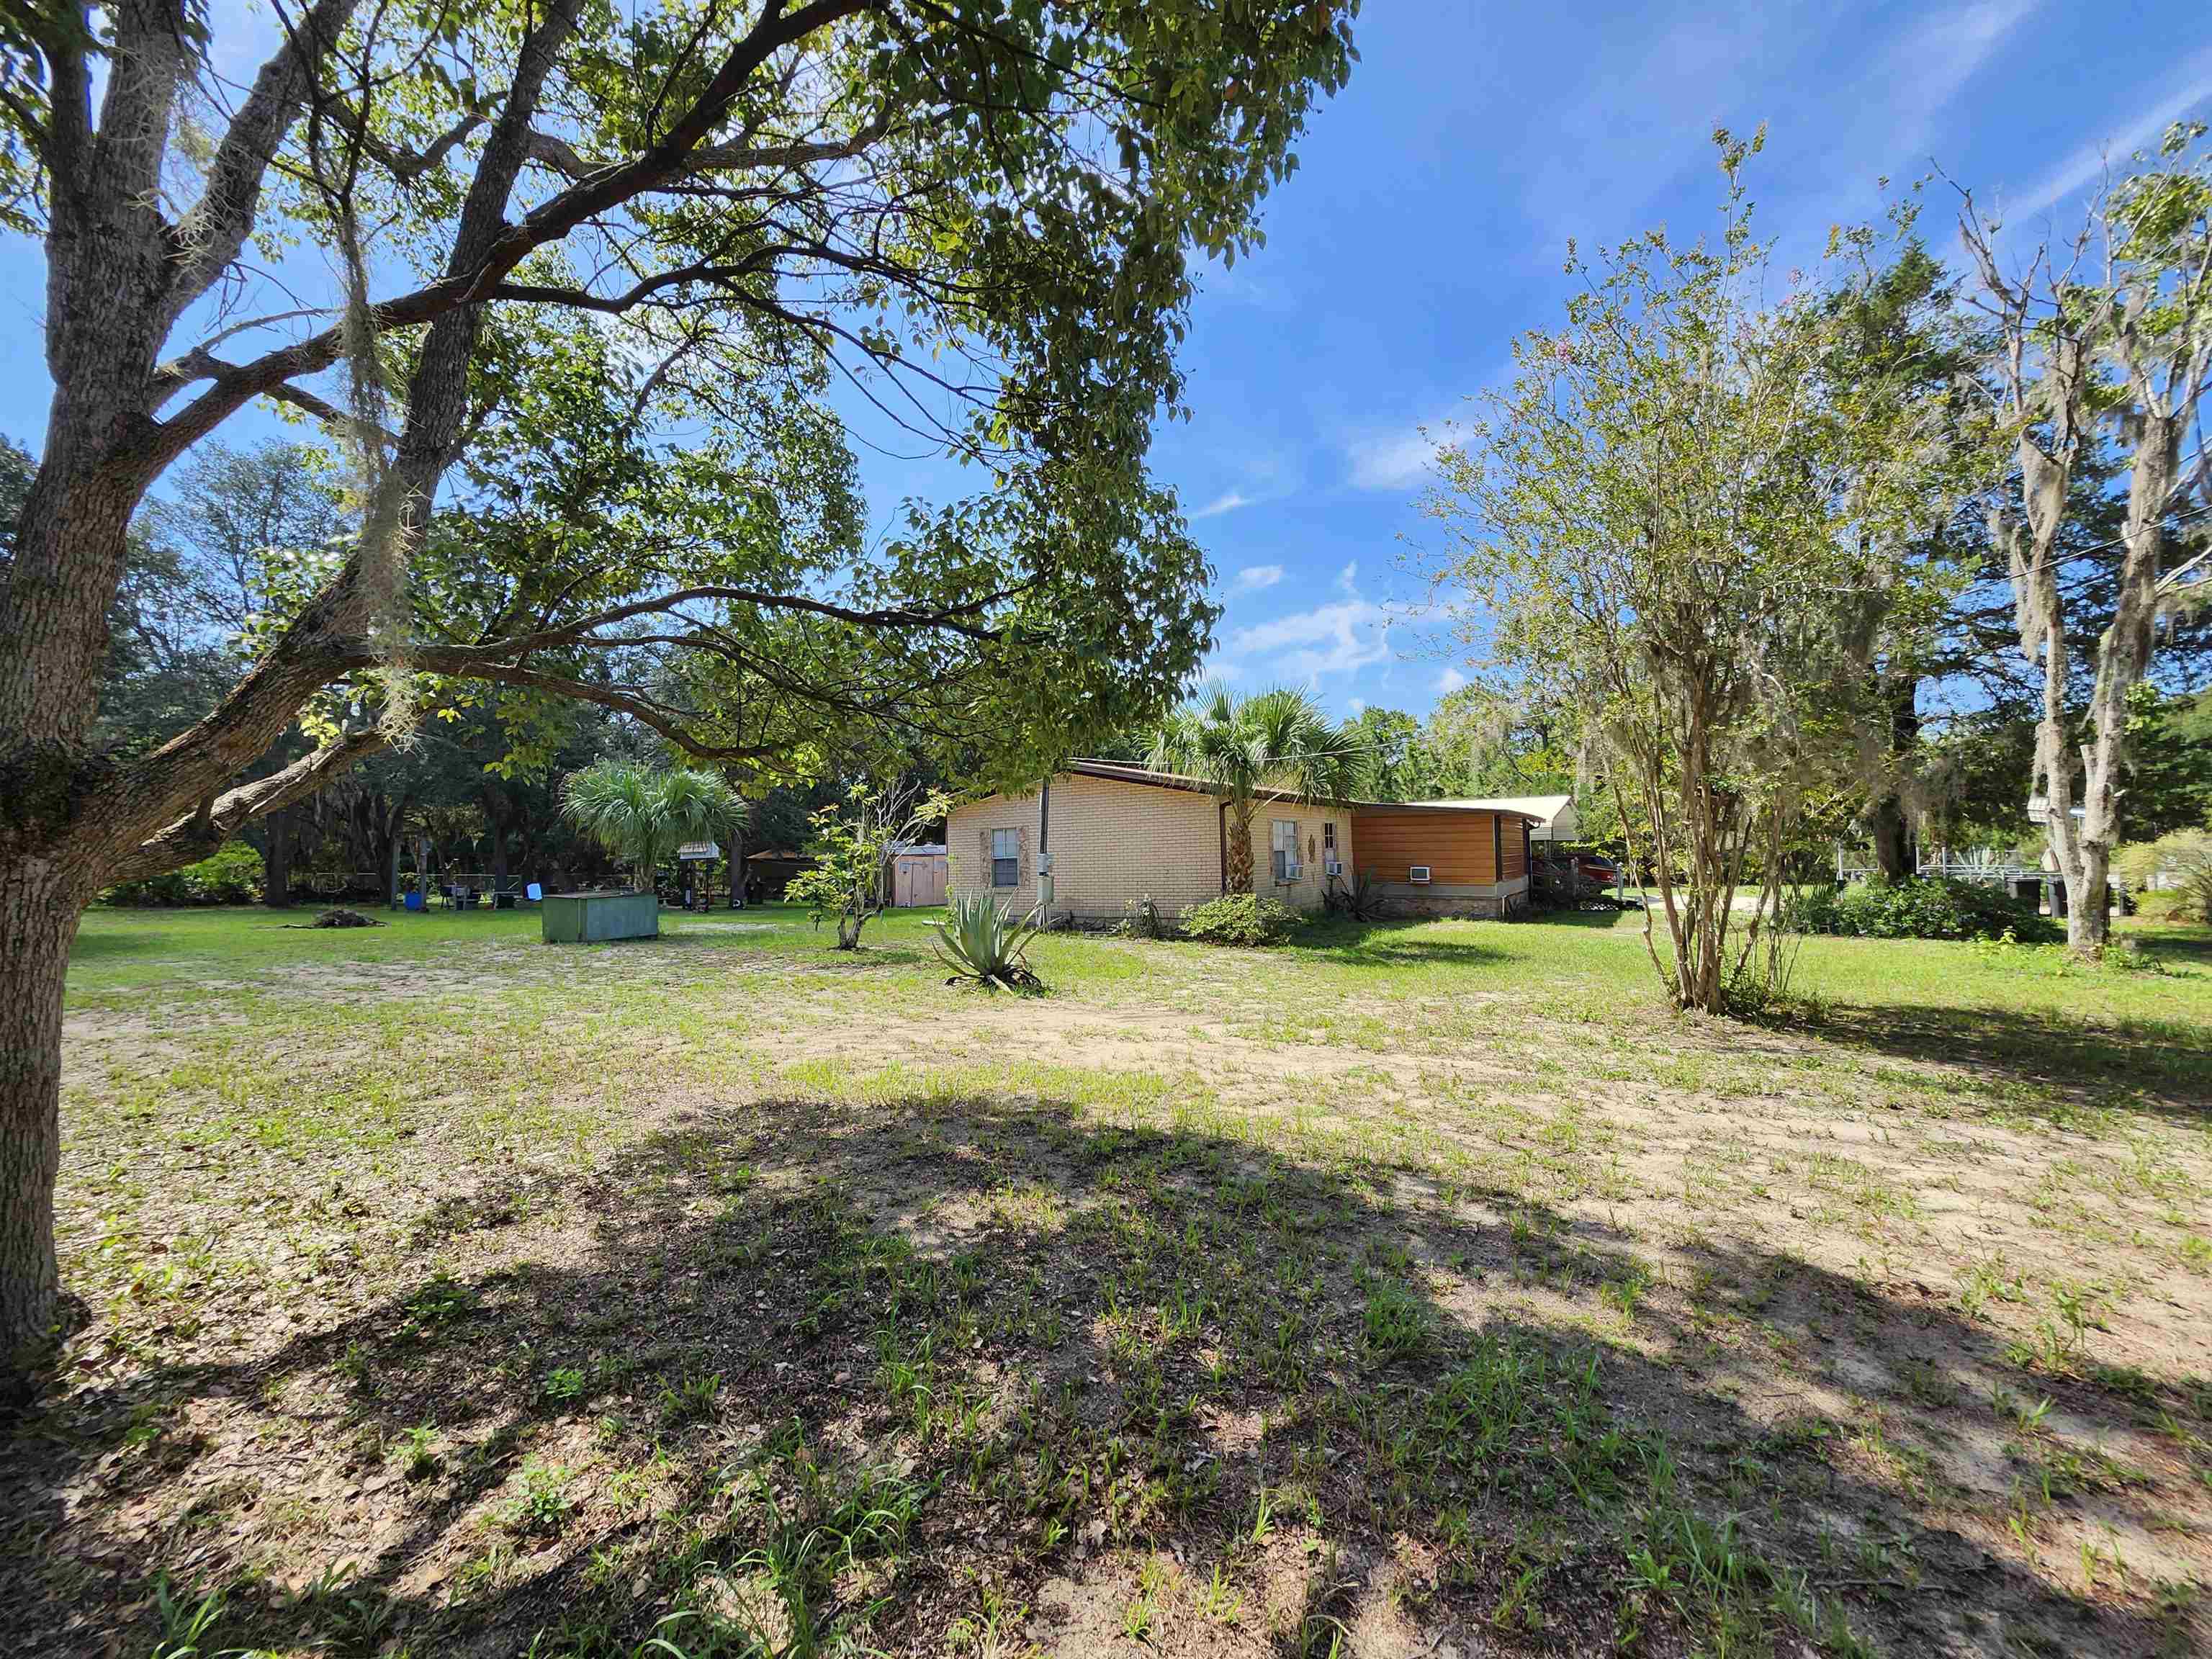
point(1418, 874)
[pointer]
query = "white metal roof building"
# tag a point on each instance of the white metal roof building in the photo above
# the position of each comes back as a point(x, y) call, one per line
point(1555, 823)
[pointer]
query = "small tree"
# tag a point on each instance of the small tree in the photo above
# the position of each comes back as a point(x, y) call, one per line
point(1671, 528)
point(1277, 739)
point(642, 816)
point(852, 852)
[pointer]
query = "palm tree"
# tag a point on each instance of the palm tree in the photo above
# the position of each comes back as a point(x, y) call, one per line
point(642, 816)
point(1276, 739)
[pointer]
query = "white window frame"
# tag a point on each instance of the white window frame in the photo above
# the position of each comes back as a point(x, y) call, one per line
point(1012, 840)
point(1284, 860)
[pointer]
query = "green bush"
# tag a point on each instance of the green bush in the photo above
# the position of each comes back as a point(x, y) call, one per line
point(1923, 907)
point(230, 875)
point(1239, 919)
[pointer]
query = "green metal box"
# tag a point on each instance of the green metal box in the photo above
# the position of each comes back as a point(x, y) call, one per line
point(590, 918)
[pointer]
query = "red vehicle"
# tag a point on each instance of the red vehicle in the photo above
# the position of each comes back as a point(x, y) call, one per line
point(1594, 867)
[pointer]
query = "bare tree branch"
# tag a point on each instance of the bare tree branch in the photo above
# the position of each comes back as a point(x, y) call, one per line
point(209, 235)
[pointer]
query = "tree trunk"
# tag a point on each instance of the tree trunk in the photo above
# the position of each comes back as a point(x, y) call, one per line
point(1236, 869)
point(1893, 839)
point(1890, 829)
point(276, 859)
point(39, 914)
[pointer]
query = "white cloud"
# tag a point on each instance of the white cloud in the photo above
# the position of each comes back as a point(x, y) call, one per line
point(2192, 86)
point(1253, 577)
point(1357, 706)
point(1224, 503)
point(1339, 638)
point(1449, 681)
point(1330, 639)
point(1393, 461)
point(1929, 64)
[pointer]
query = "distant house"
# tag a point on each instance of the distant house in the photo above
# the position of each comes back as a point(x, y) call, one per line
point(1555, 822)
point(1106, 836)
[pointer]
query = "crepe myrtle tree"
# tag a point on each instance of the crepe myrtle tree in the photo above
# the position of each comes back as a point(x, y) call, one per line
point(1668, 528)
point(975, 218)
point(1273, 739)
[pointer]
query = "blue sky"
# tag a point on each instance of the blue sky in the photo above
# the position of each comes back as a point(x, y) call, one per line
point(1427, 226)
point(1428, 221)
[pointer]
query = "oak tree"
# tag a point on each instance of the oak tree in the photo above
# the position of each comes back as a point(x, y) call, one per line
point(561, 236)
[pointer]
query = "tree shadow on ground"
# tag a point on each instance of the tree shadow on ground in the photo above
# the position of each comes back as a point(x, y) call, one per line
point(2179, 943)
point(1597, 921)
point(937, 1370)
point(1393, 944)
point(2160, 1067)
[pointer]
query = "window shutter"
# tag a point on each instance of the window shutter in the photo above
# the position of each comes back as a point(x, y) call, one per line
point(1022, 840)
point(983, 878)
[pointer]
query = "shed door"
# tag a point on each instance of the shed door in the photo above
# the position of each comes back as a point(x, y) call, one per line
point(929, 880)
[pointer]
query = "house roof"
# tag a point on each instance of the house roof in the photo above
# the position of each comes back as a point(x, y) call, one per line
point(1120, 772)
point(1542, 808)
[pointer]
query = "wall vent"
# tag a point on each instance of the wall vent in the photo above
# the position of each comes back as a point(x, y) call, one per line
point(1418, 874)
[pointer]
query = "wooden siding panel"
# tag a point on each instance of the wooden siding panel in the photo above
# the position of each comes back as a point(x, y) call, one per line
point(1457, 847)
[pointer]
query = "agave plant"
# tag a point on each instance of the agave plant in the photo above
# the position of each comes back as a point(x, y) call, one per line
point(983, 940)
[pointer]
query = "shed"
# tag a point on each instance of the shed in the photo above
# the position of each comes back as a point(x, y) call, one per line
point(770, 871)
point(918, 874)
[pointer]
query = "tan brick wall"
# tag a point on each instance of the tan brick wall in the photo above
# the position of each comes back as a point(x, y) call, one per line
point(1304, 893)
point(1113, 842)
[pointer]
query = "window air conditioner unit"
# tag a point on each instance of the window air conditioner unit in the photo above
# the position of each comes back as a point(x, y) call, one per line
point(1331, 867)
point(1419, 873)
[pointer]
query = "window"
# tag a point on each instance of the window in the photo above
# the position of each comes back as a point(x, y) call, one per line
point(1005, 858)
point(1328, 838)
point(1286, 842)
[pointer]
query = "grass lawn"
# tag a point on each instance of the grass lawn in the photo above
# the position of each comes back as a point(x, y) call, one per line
point(1416, 1290)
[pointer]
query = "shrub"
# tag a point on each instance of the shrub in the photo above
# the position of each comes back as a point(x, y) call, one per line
point(1923, 908)
point(2183, 862)
point(1358, 900)
point(1239, 919)
point(1140, 918)
point(230, 875)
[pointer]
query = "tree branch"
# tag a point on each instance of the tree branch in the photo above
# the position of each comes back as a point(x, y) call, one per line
point(561, 156)
point(209, 235)
point(198, 834)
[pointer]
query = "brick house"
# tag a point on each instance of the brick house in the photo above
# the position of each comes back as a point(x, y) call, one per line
point(1116, 834)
